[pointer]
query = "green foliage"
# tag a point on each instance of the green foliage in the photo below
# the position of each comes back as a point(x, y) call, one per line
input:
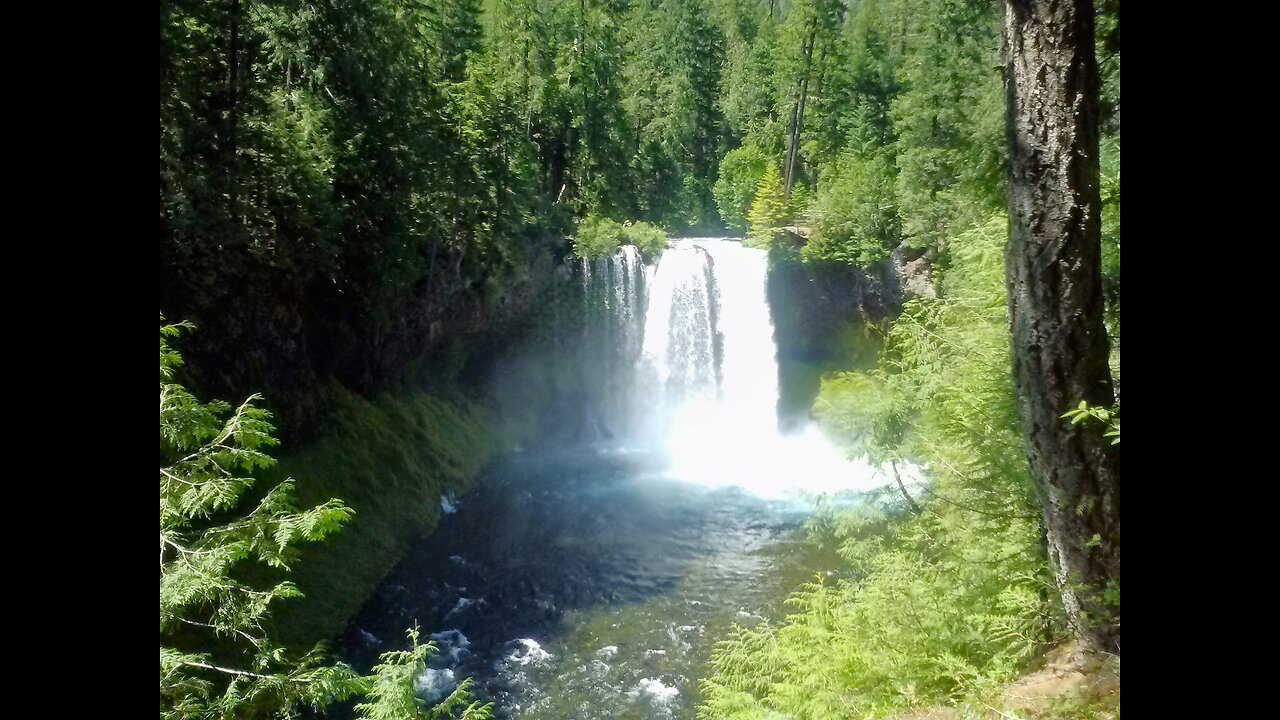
point(746, 94)
point(797, 205)
point(855, 220)
point(649, 239)
point(1110, 191)
point(598, 235)
point(216, 657)
point(392, 696)
point(949, 118)
point(735, 188)
point(671, 79)
point(216, 660)
point(392, 457)
point(897, 107)
point(811, 76)
point(767, 210)
point(937, 604)
point(1110, 417)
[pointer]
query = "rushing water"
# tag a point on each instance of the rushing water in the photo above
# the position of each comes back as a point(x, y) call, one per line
point(592, 582)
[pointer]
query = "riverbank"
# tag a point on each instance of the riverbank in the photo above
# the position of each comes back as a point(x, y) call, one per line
point(1059, 687)
point(391, 458)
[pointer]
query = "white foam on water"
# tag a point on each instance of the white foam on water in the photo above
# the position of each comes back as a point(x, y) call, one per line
point(433, 684)
point(526, 651)
point(607, 652)
point(655, 691)
point(720, 427)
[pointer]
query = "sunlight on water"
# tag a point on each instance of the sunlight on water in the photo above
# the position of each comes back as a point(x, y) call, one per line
point(716, 416)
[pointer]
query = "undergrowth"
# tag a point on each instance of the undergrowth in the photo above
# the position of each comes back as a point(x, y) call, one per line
point(946, 594)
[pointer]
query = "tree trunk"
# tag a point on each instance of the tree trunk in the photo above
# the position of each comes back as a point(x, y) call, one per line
point(797, 116)
point(233, 87)
point(1053, 270)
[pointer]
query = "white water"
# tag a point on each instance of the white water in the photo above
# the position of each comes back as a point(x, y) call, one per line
point(718, 422)
point(614, 295)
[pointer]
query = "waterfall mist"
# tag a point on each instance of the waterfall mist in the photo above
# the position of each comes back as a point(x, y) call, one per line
point(692, 372)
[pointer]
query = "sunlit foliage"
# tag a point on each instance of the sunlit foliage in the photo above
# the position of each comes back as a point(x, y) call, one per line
point(599, 235)
point(392, 695)
point(215, 658)
point(767, 210)
point(947, 590)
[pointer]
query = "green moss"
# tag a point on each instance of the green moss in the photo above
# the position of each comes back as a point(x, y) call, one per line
point(390, 458)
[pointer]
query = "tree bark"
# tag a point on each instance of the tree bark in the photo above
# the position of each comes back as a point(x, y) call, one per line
point(233, 88)
point(796, 126)
point(1053, 271)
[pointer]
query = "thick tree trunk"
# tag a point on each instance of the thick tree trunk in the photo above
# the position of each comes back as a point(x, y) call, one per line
point(1053, 271)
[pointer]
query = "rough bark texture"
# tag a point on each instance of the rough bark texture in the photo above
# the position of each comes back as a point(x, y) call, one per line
point(1053, 271)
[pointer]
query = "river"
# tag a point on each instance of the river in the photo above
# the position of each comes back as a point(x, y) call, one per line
point(593, 581)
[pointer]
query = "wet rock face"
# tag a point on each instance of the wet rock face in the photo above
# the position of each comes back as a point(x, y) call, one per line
point(914, 269)
point(820, 313)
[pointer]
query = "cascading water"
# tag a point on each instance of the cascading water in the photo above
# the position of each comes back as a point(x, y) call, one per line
point(614, 297)
point(682, 352)
point(709, 368)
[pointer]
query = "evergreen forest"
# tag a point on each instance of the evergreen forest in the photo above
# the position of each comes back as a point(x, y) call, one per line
point(713, 359)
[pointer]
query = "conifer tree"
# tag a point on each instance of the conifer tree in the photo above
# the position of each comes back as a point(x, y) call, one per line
point(766, 209)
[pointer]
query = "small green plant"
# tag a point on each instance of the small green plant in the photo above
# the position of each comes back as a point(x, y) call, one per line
point(1107, 416)
point(392, 694)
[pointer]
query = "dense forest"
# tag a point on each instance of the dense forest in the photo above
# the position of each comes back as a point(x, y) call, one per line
point(376, 219)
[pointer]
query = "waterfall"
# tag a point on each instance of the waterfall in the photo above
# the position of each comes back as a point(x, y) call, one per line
point(681, 358)
point(707, 377)
point(681, 339)
point(614, 297)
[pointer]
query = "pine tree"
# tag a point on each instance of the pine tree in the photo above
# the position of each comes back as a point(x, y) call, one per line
point(766, 210)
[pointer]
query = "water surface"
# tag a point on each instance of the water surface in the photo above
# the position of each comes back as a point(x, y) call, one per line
point(589, 584)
